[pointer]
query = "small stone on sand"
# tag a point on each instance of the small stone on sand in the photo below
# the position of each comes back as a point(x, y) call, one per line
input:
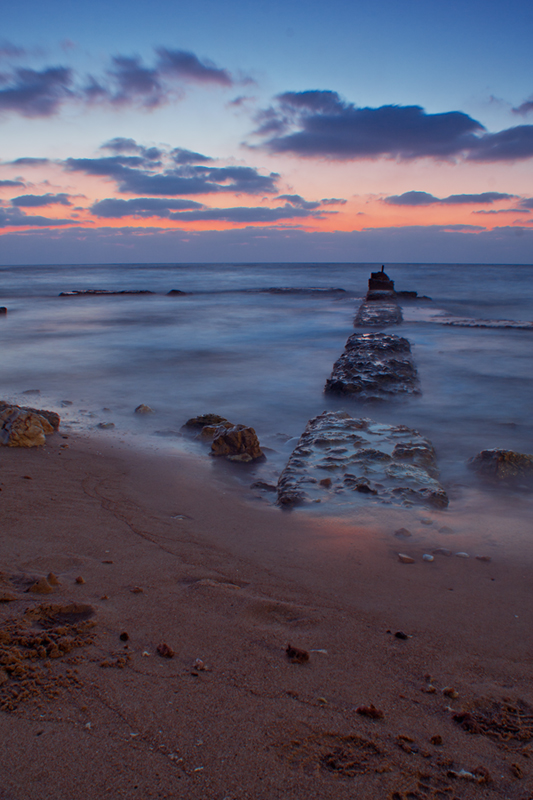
point(405, 559)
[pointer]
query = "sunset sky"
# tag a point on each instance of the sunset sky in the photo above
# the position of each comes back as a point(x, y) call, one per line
point(294, 130)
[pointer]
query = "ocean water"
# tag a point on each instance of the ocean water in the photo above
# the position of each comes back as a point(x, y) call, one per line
point(233, 347)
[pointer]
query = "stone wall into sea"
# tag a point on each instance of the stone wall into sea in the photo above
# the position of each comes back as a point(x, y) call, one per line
point(374, 366)
point(342, 459)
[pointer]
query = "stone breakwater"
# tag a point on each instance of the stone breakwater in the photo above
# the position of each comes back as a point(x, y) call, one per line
point(378, 313)
point(343, 459)
point(374, 366)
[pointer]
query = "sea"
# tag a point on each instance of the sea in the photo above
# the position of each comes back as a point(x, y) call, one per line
point(255, 343)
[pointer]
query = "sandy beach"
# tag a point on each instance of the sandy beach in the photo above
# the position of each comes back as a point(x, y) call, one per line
point(151, 554)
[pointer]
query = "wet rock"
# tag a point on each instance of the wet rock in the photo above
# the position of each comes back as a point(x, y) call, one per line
point(370, 711)
point(403, 533)
point(374, 366)
point(25, 427)
point(3, 311)
point(197, 424)
point(238, 443)
point(143, 409)
point(106, 426)
point(378, 313)
point(356, 453)
point(175, 292)
point(503, 465)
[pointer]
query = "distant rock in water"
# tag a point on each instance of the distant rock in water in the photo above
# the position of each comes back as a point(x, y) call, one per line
point(364, 461)
point(26, 427)
point(3, 311)
point(380, 306)
point(503, 465)
point(374, 366)
point(464, 322)
point(175, 292)
point(378, 313)
point(304, 290)
point(91, 292)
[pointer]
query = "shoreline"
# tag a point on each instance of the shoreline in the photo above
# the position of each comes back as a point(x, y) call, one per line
point(232, 583)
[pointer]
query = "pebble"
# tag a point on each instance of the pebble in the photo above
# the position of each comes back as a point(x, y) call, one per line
point(427, 557)
point(403, 533)
point(488, 559)
point(462, 555)
point(405, 559)
point(106, 425)
point(442, 551)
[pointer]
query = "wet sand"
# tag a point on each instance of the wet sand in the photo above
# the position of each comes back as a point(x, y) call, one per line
point(167, 552)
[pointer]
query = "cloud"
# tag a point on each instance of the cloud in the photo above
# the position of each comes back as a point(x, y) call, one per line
point(413, 244)
point(181, 156)
point(11, 184)
point(122, 145)
point(524, 108)
point(140, 207)
point(10, 50)
point(185, 65)
point(512, 144)
point(527, 202)
point(504, 211)
point(248, 214)
point(36, 200)
point(134, 82)
point(320, 124)
point(14, 217)
point(133, 175)
point(426, 199)
point(128, 81)
point(34, 93)
point(29, 162)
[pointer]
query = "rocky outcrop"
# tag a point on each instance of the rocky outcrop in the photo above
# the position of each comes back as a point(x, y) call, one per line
point(341, 459)
point(504, 466)
point(374, 366)
point(25, 427)
point(238, 443)
point(234, 442)
point(91, 292)
point(378, 314)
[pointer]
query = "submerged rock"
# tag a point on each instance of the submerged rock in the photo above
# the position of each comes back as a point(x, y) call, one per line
point(378, 313)
point(26, 427)
point(503, 465)
point(365, 461)
point(374, 366)
point(91, 292)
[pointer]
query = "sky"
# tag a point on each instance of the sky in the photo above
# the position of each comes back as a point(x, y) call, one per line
point(291, 130)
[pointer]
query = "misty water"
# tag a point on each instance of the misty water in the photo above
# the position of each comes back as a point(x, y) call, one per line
point(261, 358)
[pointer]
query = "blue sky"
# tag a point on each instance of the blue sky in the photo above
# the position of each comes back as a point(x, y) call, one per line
point(369, 127)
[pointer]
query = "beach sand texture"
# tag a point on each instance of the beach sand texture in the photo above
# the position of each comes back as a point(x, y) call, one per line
point(143, 552)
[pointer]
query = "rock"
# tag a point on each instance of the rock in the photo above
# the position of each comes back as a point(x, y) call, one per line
point(238, 443)
point(25, 427)
point(366, 461)
point(174, 292)
point(403, 533)
point(142, 409)
point(3, 311)
point(197, 424)
point(503, 465)
point(374, 366)
point(405, 559)
point(378, 313)
point(42, 586)
point(106, 426)
point(107, 292)
point(427, 557)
